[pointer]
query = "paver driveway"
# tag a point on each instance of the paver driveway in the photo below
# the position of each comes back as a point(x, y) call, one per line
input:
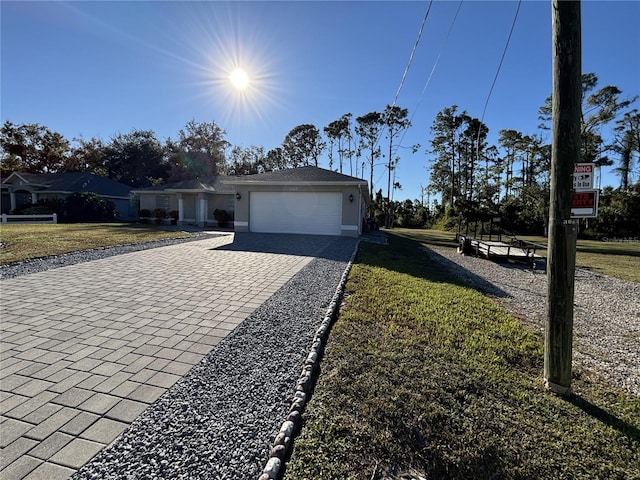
point(87, 347)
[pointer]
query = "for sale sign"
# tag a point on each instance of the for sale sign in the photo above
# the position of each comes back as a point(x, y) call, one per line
point(584, 204)
point(583, 176)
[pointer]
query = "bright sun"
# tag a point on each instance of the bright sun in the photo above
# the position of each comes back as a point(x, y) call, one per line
point(239, 79)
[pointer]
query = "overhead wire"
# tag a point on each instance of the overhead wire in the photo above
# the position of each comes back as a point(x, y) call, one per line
point(435, 64)
point(413, 51)
point(433, 69)
point(410, 61)
point(504, 53)
point(411, 56)
point(406, 69)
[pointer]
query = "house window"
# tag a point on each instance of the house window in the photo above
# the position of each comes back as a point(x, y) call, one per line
point(162, 201)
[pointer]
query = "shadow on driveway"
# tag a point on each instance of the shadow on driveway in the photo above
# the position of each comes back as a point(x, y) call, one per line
point(322, 246)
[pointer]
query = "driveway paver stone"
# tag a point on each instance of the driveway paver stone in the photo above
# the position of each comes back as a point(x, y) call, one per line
point(86, 348)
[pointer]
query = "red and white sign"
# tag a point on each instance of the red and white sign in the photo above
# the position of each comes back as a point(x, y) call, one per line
point(585, 204)
point(583, 168)
point(583, 176)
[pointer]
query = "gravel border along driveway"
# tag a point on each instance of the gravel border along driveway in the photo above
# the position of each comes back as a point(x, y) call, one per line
point(606, 314)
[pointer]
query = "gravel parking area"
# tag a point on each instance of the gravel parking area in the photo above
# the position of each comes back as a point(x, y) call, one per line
point(606, 313)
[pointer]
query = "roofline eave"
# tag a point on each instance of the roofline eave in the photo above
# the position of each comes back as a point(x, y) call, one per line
point(193, 190)
point(308, 183)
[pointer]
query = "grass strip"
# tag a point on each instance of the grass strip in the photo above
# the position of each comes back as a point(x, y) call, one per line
point(424, 374)
point(24, 242)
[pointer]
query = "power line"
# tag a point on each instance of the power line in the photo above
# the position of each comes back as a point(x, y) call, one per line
point(433, 69)
point(413, 51)
point(513, 24)
point(406, 70)
point(504, 53)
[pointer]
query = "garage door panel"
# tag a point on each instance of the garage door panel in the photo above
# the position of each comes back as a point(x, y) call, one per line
point(296, 212)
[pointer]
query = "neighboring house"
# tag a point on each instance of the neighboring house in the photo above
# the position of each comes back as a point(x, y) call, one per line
point(21, 188)
point(308, 200)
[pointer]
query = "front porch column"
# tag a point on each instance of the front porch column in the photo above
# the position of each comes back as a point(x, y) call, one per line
point(34, 198)
point(12, 200)
point(180, 209)
point(202, 211)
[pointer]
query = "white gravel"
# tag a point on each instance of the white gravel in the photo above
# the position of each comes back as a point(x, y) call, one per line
point(606, 311)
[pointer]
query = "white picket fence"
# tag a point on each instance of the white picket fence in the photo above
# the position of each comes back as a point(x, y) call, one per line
point(41, 218)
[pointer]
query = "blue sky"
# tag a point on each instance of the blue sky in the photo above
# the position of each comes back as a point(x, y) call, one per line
point(94, 69)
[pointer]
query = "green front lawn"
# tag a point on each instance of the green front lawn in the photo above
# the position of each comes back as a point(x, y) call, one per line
point(422, 373)
point(23, 242)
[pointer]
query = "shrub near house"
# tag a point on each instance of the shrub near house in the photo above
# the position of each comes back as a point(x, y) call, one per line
point(144, 214)
point(88, 207)
point(159, 214)
point(76, 208)
point(221, 216)
point(43, 207)
point(21, 190)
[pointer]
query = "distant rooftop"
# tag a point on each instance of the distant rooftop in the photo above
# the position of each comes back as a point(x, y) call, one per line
point(70, 182)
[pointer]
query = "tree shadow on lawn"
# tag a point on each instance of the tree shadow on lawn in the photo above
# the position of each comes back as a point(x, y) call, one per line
point(410, 257)
point(630, 431)
point(467, 278)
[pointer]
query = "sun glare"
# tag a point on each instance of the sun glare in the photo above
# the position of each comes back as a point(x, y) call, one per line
point(239, 79)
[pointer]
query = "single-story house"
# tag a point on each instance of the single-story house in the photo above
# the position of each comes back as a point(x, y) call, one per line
point(305, 200)
point(20, 189)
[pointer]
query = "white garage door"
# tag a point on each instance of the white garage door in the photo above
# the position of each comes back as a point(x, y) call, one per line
point(296, 212)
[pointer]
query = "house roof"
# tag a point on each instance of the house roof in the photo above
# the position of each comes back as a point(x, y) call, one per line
point(302, 175)
point(207, 185)
point(226, 185)
point(69, 182)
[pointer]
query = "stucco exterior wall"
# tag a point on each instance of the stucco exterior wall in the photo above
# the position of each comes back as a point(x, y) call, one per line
point(352, 212)
point(189, 207)
point(151, 201)
point(147, 202)
point(212, 202)
point(220, 202)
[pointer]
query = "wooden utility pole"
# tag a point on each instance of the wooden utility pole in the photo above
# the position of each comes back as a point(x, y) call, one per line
point(387, 210)
point(565, 152)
